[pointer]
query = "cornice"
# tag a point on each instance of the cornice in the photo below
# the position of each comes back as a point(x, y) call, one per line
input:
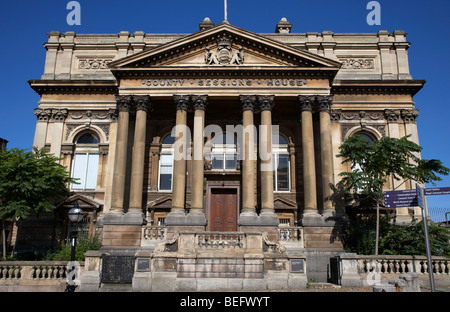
point(377, 86)
point(74, 86)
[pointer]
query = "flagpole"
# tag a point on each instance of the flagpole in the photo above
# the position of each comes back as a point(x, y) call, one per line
point(225, 11)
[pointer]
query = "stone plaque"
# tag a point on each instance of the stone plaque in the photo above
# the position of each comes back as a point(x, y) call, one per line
point(297, 266)
point(143, 265)
point(117, 269)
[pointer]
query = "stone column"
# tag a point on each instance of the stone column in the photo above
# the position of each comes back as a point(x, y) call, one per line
point(306, 104)
point(326, 150)
point(56, 133)
point(177, 214)
point(266, 104)
point(197, 209)
point(142, 103)
point(120, 163)
point(40, 136)
point(248, 103)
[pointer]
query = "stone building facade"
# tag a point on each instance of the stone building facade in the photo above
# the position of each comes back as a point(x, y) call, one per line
point(114, 106)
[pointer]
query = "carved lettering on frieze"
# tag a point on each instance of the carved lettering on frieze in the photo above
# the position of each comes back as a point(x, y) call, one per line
point(223, 83)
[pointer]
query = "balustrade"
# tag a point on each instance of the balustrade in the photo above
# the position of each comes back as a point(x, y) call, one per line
point(34, 272)
point(402, 264)
point(220, 240)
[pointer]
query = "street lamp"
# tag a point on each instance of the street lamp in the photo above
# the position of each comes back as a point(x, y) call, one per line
point(75, 215)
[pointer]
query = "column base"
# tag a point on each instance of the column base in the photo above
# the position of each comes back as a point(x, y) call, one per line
point(122, 229)
point(176, 222)
point(260, 224)
point(324, 231)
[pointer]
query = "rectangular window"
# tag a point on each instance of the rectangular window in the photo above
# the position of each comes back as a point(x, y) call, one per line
point(85, 169)
point(217, 161)
point(165, 172)
point(224, 161)
point(281, 172)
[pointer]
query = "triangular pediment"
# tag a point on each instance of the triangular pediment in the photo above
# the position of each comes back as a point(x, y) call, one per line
point(224, 46)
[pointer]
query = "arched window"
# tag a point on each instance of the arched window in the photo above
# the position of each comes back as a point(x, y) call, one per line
point(166, 163)
point(281, 165)
point(223, 153)
point(85, 161)
point(369, 138)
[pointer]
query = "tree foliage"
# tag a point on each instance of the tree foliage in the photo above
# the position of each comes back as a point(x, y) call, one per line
point(372, 162)
point(31, 182)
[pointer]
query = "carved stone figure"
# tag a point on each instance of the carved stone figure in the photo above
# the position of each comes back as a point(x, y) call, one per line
point(224, 54)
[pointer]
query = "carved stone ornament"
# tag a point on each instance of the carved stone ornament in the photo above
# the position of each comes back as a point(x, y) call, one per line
point(392, 115)
point(59, 114)
point(306, 102)
point(225, 54)
point(182, 102)
point(94, 63)
point(248, 102)
point(142, 102)
point(199, 101)
point(42, 114)
point(123, 102)
point(324, 103)
point(354, 63)
point(409, 115)
point(266, 102)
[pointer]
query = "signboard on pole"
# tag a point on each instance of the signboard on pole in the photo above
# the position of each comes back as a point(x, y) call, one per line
point(402, 198)
point(420, 196)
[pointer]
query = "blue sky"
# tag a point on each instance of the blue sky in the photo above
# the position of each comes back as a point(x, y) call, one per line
point(25, 23)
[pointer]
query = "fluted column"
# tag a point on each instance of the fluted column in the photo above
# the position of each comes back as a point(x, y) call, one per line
point(120, 164)
point(306, 104)
point(142, 103)
point(179, 164)
point(266, 103)
point(199, 103)
point(248, 104)
point(326, 150)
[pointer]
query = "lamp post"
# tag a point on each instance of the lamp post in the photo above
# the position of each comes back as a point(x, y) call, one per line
point(75, 215)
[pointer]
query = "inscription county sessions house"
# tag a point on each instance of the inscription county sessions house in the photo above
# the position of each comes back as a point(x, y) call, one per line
point(108, 105)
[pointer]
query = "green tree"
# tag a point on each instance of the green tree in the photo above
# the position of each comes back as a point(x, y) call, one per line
point(31, 182)
point(372, 162)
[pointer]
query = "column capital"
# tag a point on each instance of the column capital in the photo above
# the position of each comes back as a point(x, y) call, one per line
point(324, 103)
point(306, 102)
point(266, 102)
point(392, 115)
point(59, 114)
point(182, 101)
point(409, 115)
point(142, 102)
point(42, 114)
point(123, 103)
point(199, 101)
point(248, 102)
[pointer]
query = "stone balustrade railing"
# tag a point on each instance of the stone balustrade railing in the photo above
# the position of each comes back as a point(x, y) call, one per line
point(403, 264)
point(290, 233)
point(35, 273)
point(286, 234)
point(369, 269)
point(220, 240)
point(153, 232)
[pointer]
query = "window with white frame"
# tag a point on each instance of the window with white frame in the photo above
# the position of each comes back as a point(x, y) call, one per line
point(281, 165)
point(223, 152)
point(85, 161)
point(166, 164)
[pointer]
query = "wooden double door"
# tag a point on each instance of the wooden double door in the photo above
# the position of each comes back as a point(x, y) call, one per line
point(223, 211)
